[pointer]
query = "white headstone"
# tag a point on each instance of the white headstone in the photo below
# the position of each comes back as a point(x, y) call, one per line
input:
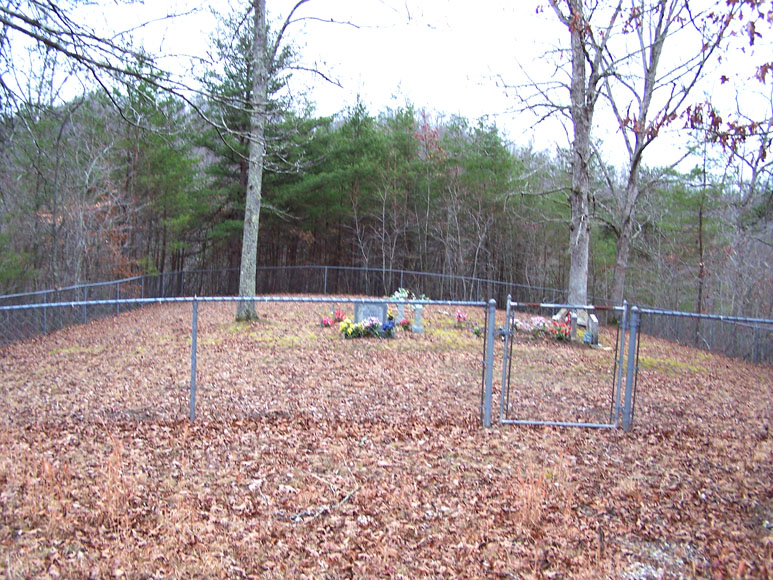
point(593, 329)
point(417, 326)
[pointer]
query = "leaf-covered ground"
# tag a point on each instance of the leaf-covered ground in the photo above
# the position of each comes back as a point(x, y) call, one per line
point(318, 457)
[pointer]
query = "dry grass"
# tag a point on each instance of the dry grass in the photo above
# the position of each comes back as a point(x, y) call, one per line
point(322, 458)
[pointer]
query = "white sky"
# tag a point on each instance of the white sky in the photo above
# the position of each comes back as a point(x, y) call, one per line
point(448, 56)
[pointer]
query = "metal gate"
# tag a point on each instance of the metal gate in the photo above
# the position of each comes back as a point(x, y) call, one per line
point(573, 385)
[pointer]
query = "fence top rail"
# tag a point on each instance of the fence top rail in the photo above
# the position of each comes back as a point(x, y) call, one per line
point(720, 317)
point(68, 288)
point(413, 273)
point(172, 274)
point(567, 306)
point(185, 299)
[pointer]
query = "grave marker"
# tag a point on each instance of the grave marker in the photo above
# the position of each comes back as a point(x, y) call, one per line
point(593, 329)
point(417, 326)
point(365, 310)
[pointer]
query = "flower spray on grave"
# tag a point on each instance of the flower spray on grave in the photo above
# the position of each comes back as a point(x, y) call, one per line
point(561, 331)
point(403, 321)
point(369, 328)
point(464, 323)
point(335, 317)
point(349, 329)
point(372, 327)
point(540, 327)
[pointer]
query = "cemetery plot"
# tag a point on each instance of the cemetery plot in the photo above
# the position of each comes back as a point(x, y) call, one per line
point(318, 456)
point(287, 362)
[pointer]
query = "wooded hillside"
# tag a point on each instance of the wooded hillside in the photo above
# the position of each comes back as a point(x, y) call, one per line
point(87, 196)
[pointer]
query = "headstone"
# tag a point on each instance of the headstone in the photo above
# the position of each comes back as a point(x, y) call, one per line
point(560, 316)
point(417, 325)
point(593, 329)
point(582, 316)
point(573, 326)
point(400, 311)
point(364, 310)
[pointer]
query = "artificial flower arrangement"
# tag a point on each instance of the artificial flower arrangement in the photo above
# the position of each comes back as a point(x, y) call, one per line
point(462, 323)
point(560, 331)
point(540, 327)
point(336, 317)
point(371, 327)
point(404, 294)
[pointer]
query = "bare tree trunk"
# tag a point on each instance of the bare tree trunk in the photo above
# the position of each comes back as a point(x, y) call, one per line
point(625, 234)
point(583, 102)
point(587, 58)
point(701, 263)
point(622, 253)
point(249, 260)
point(579, 236)
point(640, 137)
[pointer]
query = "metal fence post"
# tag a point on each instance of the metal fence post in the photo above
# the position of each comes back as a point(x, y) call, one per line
point(45, 314)
point(620, 359)
point(505, 361)
point(633, 341)
point(492, 312)
point(85, 311)
point(194, 336)
point(118, 297)
point(324, 288)
point(756, 347)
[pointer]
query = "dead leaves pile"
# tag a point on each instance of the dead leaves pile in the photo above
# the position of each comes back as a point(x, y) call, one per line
point(318, 457)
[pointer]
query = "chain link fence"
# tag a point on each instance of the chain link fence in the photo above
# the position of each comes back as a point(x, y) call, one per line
point(749, 339)
point(680, 388)
point(87, 302)
point(189, 356)
point(737, 337)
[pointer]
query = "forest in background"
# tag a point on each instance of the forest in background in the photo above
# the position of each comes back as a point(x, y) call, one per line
point(88, 197)
point(134, 180)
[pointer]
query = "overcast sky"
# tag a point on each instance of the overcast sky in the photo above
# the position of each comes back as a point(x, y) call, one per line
point(448, 56)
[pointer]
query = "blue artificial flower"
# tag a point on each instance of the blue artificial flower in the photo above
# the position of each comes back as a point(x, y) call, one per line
point(388, 329)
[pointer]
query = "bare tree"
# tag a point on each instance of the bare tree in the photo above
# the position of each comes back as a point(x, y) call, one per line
point(647, 93)
point(588, 52)
point(257, 151)
point(264, 59)
point(616, 55)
